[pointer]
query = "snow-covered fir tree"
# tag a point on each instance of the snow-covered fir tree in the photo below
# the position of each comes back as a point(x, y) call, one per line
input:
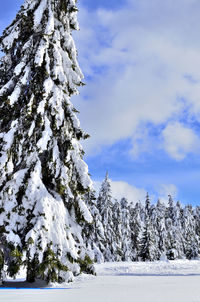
point(93, 233)
point(189, 234)
point(144, 232)
point(117, 229)
point(174, 242)
point(42, 174)
point(159, 225)
point(136, 225)
point(196, 213)
point(148, 244)
point(126, 231)
point(105, 206)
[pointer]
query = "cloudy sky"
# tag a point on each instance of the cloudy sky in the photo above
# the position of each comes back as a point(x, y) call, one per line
point(141, 104)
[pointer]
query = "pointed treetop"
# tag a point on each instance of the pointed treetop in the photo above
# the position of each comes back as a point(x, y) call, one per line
point(171, 201)
point(124, 203)
point(158, 201)
point(105, 194)
point(147, 199)
point(147, 204)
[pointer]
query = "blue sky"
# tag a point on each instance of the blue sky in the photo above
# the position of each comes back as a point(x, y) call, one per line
point(141, 103)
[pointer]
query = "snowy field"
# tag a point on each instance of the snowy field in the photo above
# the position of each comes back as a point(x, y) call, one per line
point(162, 281)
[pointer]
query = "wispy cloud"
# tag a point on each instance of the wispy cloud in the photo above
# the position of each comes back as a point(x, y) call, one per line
point(164, 190)
point(180, 140)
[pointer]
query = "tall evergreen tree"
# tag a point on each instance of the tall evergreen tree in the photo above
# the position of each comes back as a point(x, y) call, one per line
point(105, 206)
point(136, 225)
point(159, 225)
point(42, 174)
point(148, 246)
point(190, 236)
point(196, 214)
point(117, 228)
point(126, 231)
point(174, 242)
point(93, 233)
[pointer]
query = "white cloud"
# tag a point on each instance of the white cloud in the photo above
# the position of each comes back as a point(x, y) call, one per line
point(143, 141)
point(133, 194)
point(122, 189)
point(148, 58)
point(180, 140)
point(165, 190)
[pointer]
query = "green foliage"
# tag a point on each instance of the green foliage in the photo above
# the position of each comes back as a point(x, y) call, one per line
point(1, 260)
point(57, 82)
point(15, 262)
point(79, 215)
point(3, 229)
point(38, 121)
point(75, 110)
point(20, 194)
point(50, 266)
point(70, 258)
point(61, 188)
point(2, 210)
point(30, 240)
point(80, 188)
point(86, 136)
point(16, 254)
point(86, 265)
point(66, 8)
point(32, 268)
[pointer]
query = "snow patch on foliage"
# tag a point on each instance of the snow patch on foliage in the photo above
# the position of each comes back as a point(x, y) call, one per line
point(85, 211)
point(46, 136)
point(38, 14)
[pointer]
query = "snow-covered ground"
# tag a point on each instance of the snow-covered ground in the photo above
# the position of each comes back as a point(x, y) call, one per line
point(157, 268)
point(162, 281)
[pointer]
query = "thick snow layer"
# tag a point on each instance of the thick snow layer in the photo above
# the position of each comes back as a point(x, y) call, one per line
point(50, 25)
point(40, 53)
point(46, 136)
point(39, 13)
point(157, 268)
point(176, 281)
point(15, 95)
point(85, 211)
point(7, 41)
point(19, 68)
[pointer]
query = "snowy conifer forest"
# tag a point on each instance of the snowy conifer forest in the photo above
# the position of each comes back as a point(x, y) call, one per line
point(141, 231)
point(51, 222)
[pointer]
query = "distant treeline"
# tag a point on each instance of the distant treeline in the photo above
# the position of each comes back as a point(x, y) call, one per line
point(124, 231)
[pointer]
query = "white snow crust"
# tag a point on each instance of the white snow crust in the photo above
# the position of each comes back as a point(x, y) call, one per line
point(157, 268)
point(39, 13)
point(117, 282)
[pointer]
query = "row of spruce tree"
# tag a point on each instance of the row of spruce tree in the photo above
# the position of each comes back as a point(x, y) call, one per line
point(124, 231)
